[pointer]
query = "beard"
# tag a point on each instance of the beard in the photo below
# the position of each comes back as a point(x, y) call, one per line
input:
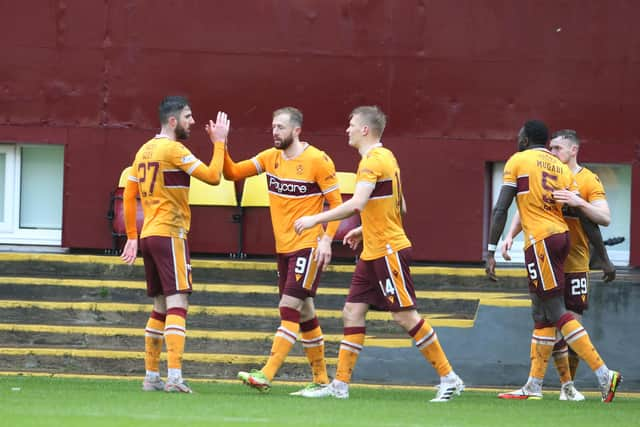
point(181, 133)
point(284, 143)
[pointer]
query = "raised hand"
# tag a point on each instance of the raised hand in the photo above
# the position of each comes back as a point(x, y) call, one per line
point(219, 130)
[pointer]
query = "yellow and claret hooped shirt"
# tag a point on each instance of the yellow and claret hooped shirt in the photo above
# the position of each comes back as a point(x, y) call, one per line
point(536, 173)
point(591, 189)
point(162, 170)
point(382, 229)
point(297, 187)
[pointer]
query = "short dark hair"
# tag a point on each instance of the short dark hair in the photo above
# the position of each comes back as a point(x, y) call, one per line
point(373, 117)
point(295, 115)
point(569, 134)
point(171, 106)
point(536, 131)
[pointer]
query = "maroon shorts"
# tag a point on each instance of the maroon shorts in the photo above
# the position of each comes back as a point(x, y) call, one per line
point(544, 261)
point(167, 265)
point(298, 274)
point(384, 283)
point(576, 291)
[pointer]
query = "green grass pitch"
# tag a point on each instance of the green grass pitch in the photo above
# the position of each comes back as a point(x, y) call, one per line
point(53, 401)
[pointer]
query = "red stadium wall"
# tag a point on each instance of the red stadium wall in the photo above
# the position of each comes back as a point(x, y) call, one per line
point(457, 79)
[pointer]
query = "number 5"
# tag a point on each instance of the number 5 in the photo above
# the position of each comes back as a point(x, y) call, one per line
point(533, 274)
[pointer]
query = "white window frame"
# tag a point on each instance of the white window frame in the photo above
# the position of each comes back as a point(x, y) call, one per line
point(7, 223)
point(10, 231)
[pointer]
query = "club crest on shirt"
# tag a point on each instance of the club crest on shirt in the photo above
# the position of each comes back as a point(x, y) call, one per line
point(299, 169)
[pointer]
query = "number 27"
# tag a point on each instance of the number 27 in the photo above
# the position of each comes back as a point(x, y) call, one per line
point(142, 173)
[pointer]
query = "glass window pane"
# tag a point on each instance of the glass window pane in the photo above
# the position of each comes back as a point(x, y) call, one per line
point(41, 186)
point(617, 183)
point(517, 250)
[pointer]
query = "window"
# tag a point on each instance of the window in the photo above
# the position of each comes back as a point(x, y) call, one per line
point(617, 183)
point(31, 180)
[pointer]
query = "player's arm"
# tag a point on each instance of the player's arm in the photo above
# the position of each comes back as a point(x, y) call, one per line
point(596, 211)
point(599, 251)
point(498, 221)
point(323, 251)
point(234, 171)
point(352, 206)
point(129, 205)
point(326, 178)
point(334, 199)
point(217, 132)
point(514, 230)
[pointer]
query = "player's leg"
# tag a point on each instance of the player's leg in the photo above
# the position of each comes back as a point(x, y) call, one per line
point(291, 270)
point(153, 341)
point(310, 331)
point(154, 329)
point(172, 260)
point(354, 315)
point(571, 329)
point(313, 344)
point(565, 359)
point(426, 341)
point(576, 301)
point(396, 287)
point(362, 294)
point(543, 281)
point(285, 337)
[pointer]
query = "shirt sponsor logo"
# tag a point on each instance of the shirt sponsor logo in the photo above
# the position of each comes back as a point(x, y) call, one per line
point(287, 187)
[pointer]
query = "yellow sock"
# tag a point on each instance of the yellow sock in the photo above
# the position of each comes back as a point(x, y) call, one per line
point(428, 344)
point(542, 341)
point(561, 360)
point(574, 361)
point(313, 344)
point(175, 336)
point(283, 341)
point(578, 339)
point(153, 340)
point(350, 348)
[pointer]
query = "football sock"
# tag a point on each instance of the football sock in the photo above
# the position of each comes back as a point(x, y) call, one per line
point(313, 344)
point(574, 361)
point(542, 341)
point(350, 348)
point(427, 342)
point(285, 338)
point(175, 336)
point(561, 360)
point(578, 339)
point(153, 339)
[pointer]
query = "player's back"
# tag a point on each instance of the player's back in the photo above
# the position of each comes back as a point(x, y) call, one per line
point(591, 189)
point(536, 173)
point(164, 187)
point(381, 217)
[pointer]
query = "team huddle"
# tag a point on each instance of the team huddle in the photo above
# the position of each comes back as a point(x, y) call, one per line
point(301, 178)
